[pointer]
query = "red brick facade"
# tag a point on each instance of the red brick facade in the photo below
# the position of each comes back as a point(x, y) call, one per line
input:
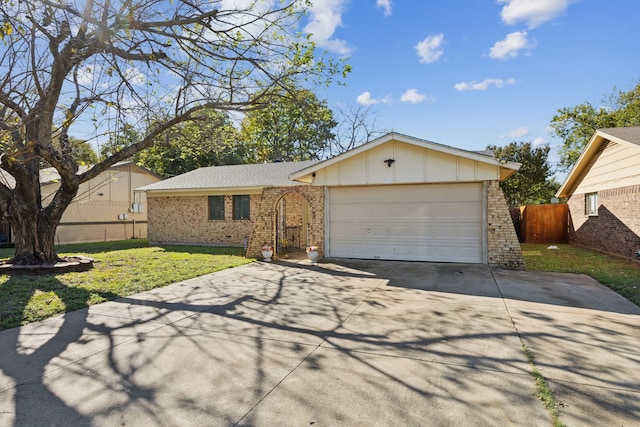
point(185, 219)
point(616, 228)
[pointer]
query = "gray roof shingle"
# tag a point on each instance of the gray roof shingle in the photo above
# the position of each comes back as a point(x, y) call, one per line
point(233, 176)
point(630, 134)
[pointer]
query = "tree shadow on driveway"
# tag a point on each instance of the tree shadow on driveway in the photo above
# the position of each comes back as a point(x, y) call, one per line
point(268, 343)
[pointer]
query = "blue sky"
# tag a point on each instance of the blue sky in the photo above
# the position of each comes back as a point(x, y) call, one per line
point(469, 73)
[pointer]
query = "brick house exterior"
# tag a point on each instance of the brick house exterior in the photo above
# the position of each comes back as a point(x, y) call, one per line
point(184, 219)
point(603, 191)
point(616, 227)
point(292, 213)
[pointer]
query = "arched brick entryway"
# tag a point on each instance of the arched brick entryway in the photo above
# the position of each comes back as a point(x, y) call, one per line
point(264, 227)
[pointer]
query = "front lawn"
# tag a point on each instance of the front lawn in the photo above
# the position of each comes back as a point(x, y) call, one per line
point(120, 269)
point(620, 275)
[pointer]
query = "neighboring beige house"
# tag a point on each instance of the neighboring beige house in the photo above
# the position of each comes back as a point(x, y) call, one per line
point(394, 198)
point(105, 208)
point(603, 189)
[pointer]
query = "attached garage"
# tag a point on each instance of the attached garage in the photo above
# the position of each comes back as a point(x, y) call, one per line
point(435, 222)
point(403, 198)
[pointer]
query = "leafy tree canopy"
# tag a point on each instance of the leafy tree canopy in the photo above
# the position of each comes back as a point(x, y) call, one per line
point(576, 125)
point(213, 141)
point(122, 138)
point(296, 125)
point(533, 183)
point(82, 152)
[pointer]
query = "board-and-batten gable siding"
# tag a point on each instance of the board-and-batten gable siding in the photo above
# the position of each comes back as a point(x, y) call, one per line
point(114, 185)
point(616, 166)
point(117, 196)
point(412, 164)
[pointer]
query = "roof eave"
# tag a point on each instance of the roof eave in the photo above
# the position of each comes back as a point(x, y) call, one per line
point(578, 170)
point(229, 190)
point(508, 169)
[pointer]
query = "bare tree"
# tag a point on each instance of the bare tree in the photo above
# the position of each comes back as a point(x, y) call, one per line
point(151, 64)
point(356, 126)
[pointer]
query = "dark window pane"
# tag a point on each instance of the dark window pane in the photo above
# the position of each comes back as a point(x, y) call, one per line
point(216, 207)
point(241, 207)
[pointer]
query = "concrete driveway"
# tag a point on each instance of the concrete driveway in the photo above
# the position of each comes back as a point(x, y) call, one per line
point(354, 343)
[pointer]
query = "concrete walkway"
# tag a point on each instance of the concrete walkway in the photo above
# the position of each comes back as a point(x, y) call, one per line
point(353, 343)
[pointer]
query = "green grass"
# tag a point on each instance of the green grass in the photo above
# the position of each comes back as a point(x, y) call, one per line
point(620, 275)
point(543, 391)
point(120, 269)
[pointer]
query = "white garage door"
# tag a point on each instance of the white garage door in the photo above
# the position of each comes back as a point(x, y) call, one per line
point(435, 222)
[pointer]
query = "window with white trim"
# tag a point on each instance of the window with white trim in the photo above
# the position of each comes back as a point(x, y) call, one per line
point(591, 204)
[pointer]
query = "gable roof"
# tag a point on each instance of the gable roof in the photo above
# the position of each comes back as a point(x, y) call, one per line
point(506, 168)
point(232, 176)
point(628, 136)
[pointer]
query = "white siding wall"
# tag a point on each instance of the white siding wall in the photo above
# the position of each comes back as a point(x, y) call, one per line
point(617, 166)
point(412, 165)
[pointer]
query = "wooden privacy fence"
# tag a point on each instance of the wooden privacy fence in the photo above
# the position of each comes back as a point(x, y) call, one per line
point(541, 223)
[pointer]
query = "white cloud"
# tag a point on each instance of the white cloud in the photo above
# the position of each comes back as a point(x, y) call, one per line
point(412, 96)
point(241, 15)
point(539, 141)
point(511, 46)
point(365, 99)
point(429, 49)
point(483, 85)
point(518, 133)
point(325, 16)
point(533, 12)
point(385, 5)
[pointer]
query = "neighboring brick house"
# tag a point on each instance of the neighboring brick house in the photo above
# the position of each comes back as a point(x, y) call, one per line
point(603, 189)
point(395, 198)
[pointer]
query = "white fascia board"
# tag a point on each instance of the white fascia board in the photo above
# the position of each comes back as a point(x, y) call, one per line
point(213, 191)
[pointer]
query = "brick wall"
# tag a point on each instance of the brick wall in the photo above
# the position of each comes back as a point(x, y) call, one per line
point(186, 220)
point(616, 228)
point(265, 226)
point(502, 241)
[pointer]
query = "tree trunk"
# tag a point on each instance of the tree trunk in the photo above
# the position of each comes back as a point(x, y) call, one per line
point(34, 227)
point(34, 236)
